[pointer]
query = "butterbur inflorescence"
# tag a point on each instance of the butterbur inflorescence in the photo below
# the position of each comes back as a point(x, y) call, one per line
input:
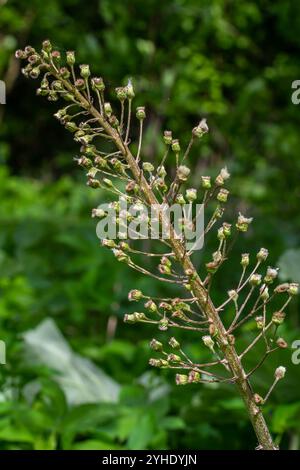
point(91, 119)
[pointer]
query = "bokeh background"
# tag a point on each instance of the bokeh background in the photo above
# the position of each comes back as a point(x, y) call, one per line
point(77, 377)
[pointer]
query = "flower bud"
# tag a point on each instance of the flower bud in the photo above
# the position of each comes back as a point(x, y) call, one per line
point(107, 109)
point(180, 199)
point(209, 342)
point(106, 242)
point(168, 137)
point(245, 260)
point(80, 84)
point(206, 182)
point(201, 129)
point(258, 399)
point(130, 90)
point(194, 377)
point(163, 269)
point(243, 223)
point(134, 317)
point(191, 194)
point(140, 113)
point(213, 331)
point(293, 288)
point(156, 345)
point(260, 322)
point(163, 324)
point(98, 213)
point(174, 343)
point(97, 83)
point(64, 72)
point(85, 71)
point(174, 358)
point(281, 288)
point(135, 295)
point(35, 72)
point(181, 379)
point(264, 293)
point(255, 280)
point(222, 195)
point(175, 145)
point(151, 306)
point(56, 57)
point(278, 318)
point(183, 172)
point(47, 46)
point(70, 57)
point(281, 343)
point(147, 166)
point(280, 373)
point(226, 229)
point(232, 294)
point(19, 54)
point(262, 254)
point(158, 362)
point(121, 256)
point(270, 275)
point(71, 126)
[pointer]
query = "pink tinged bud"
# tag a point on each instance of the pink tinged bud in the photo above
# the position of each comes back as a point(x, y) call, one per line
point(258, 399)
point(194, 377)
point(293, 288)
point(156, 345)
point(47, 46)
point(168, 137)
point(278, 318)
point(121, 93)
point(245, 260)
point(181, 379)
point(260, 322)
point(175, 145)
point(19, 54)
point(271, 274)
point(158, 363)
point(262, 254)
point(135, 295)
point(163, 324)
point(281, 343)
point(243, 223)
point(97, 83)
point(151, 306)
point(174, 358)
point(280, 373)
point(255, 280)
point(134, 317)
point(281, 288)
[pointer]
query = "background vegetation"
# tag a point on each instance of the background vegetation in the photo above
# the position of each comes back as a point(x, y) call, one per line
point(232, 62)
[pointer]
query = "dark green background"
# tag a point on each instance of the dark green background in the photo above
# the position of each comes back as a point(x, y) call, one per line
point(230, 61)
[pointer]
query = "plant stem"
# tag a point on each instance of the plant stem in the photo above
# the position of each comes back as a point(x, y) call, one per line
point(199, 290)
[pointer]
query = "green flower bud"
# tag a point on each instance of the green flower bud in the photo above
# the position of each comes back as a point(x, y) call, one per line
point(255, 280)
point(107, 109)
point(130, 90)
point(206, 182)
point(147, 166)
point(97, 83)
point(174, 358)
point(262, 254)
point(163, 324)
point(85, 71)
point(168, 137)
point(181, 379)
point(194, 377)
point(47, 46)
point(227, 229)
point(243, 223)
point(35, 72)
point(175, 145)
point(293, 288)
point(191, 194)
point(71, 126)
point(278, 318)
point(100, 213)
point(201, 129)
point(222, 195)
point(134, 317)
point(151, 306)
point(93, 183)
point(70, 57)
point(80, 84)
point(180, 199)
point(156, 345)
point(208, 342)
point(121, 93)
point(140, 113)
point(64, 72)
point(264, 293)
point(245, 260)
point(135, 295)
point(174, 343)
point(260, 322)
point(121, 256)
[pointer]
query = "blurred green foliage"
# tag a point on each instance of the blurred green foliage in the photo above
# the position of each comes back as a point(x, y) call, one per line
point(232, 62)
